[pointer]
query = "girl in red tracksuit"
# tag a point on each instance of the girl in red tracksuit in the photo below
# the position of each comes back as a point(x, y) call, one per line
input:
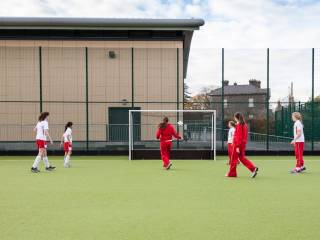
point(164, 133)
point(239, 147)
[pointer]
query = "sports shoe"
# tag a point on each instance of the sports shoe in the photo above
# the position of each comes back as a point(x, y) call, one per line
point(227, 175)
point(303, 169)
point(169, 166)
point(50, 168)
point(295, 170)
point(255, 172)
point(35, 170)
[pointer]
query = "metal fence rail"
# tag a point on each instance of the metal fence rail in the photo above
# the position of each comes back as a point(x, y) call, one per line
point(115, 137)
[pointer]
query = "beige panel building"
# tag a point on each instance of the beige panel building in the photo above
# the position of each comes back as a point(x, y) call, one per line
point(90, 72)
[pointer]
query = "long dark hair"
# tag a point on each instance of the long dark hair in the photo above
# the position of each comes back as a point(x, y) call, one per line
point(164, 123)
point(69, 124)
point(43, 116)
point(240, 117)
point(232, 123)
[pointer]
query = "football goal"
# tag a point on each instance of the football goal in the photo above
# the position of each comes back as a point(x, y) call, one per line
point(196, 127)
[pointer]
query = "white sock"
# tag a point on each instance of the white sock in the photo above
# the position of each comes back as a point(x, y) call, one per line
point(66, 160)
point(46, 162)
point(36, 161)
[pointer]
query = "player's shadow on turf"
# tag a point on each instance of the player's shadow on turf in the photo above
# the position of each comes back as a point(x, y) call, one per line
point(173, 170)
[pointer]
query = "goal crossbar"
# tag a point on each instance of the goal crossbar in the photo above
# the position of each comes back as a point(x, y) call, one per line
point(204, 111)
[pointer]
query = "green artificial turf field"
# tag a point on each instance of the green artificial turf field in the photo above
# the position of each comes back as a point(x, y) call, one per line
point(112, 198)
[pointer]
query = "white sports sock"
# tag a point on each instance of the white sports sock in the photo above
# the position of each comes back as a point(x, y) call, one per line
point(66, 160)
point(46, 162)
point(36, 161)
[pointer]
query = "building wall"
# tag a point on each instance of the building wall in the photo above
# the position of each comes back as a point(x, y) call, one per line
point(156, 81)
point(237, 103)
point(109, 81)
point(63, 80)
point(19, 81)
point(64, 83)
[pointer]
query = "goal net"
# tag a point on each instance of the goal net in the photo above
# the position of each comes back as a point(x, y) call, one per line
point(196, 127)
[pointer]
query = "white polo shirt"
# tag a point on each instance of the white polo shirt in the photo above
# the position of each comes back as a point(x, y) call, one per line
point(296, 127)
point(68, 133)
point(231, 134)
point(41, 127)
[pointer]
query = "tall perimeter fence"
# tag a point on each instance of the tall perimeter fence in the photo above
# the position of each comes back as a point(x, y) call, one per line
point(267, 85)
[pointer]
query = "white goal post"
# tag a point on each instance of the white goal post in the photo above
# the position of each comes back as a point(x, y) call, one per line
point(197, 128)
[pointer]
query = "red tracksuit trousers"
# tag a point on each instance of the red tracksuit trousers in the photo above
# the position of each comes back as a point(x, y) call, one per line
point(298, 150)
point(239, 156)
point(165, 149)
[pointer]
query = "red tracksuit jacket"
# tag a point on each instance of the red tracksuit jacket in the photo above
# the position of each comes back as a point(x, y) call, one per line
point(167, 133)
point(240, 138)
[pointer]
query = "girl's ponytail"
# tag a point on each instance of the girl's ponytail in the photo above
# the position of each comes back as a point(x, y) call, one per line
point(240, 117)
point(164, 123)
point(69, 124)
point(43, 116)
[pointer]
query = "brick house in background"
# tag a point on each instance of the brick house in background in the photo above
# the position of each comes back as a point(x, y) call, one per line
point(249, 99)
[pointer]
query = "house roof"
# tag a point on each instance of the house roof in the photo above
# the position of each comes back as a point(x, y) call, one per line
point(40, 28)
point(238, 90)
point(99, 23)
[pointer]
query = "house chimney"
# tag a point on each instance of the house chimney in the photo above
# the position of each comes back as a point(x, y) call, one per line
point(255, 83)
point(225, 83)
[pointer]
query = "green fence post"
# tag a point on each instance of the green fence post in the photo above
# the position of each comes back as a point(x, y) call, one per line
point(132, 78)
point(222, 99)
point(290, 108)
point(312, 104)
point(40, 78)
point(87, 99)
point(178, 95)
point(282, 121)
point(268, 97)
point(275, 122)
point(132, 97)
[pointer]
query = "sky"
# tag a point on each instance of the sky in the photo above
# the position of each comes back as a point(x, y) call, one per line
point(245, 28)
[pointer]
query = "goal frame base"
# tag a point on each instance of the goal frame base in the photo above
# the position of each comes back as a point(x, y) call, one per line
point(181, 154)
